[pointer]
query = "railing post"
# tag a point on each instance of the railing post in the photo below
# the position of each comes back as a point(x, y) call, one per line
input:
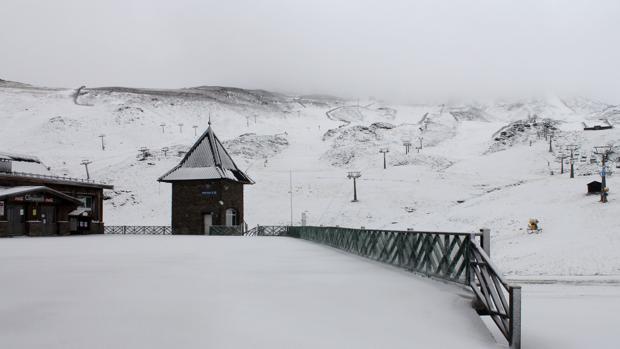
point(515, 317)
point(485, 241)
point(470, 269)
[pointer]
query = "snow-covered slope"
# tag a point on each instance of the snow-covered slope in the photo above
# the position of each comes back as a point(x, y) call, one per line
point(468, 175)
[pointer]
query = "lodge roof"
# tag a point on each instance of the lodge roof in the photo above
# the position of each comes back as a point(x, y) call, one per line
point(36, 178)
point(6, 192)
point(19, 157)
point(28, 169)
point(206, 159)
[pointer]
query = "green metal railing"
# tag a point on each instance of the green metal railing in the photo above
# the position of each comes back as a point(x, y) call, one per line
point(441, 255)
point(226, 230)
point(455, 257)
point(268, 230)
point(137, 229)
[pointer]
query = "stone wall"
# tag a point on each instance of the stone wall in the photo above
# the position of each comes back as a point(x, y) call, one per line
point(192, 199)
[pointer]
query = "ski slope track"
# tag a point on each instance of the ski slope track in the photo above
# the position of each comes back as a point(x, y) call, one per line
point(462, 179)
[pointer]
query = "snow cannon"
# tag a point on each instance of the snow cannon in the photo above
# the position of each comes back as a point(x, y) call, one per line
point(532, 226)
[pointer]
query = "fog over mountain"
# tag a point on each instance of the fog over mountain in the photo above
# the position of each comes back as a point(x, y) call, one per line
point(402, 51)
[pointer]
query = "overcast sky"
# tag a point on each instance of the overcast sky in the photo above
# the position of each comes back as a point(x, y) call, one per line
point(398, 50)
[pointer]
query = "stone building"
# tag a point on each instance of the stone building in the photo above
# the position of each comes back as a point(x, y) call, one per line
point(207, 190)
point(35, 202)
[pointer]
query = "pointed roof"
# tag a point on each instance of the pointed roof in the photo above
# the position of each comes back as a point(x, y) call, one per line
point(206, 159)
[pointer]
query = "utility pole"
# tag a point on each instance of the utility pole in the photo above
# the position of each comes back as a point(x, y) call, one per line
point(163, 128)
point(195, 127)
point(86, 163)
point(290, 179)
point(407, 145)
point(572, 148)
point(354, 175)
point(165, 150)
point(102, 144)
point(384, 151)
point(561, 158)
point(550, 146)
point(604, 151)
point(181, 127)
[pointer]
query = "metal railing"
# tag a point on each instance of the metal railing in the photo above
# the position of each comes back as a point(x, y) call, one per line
point(268, 230)
point(455, 257)
point(167, 230)
point(226, 230)
point(497, 298)
point(138, 229)
point(436, 254)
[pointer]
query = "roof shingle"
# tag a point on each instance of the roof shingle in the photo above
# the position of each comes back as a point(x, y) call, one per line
point(206, 159)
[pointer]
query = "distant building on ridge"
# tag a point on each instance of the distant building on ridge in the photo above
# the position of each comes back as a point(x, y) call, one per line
point(207, 190)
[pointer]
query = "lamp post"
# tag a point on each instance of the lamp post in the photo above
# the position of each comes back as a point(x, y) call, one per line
point(165, 150)
point(384, 151)
point(195, 127)
point(163, 128)
point(354, 175)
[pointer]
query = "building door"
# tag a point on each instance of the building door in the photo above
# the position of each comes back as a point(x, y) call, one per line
point(207, 220)
point(48, 218)
point(17, 220)
point(231, 217)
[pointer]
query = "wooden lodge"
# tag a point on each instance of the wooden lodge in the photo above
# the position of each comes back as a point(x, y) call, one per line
point(34, 202)
point(207, 190)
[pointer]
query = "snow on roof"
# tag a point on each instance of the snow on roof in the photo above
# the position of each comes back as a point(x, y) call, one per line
point(206, 159)
point(79, 211)
point(19, 157)
point(25, 163)
point(29, 167)
point(12, 191)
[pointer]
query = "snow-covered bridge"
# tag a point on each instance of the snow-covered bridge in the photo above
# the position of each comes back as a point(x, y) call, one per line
point(221, 292)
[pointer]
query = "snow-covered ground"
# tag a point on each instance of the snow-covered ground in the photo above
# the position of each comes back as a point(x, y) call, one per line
point(220, 292)
point(261, 292)
point(571, 317)
point(467, 176)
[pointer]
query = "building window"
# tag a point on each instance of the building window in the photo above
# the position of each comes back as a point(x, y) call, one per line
point(87, 202)
point(232, 218)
